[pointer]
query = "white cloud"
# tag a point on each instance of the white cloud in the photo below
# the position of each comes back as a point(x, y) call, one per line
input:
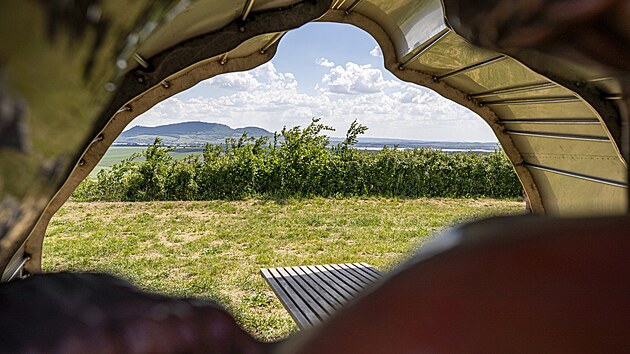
point(355, 79)
point(324, 62)
point(265, 76)
point(376, 52)
point(242, 81)
point(267, 98)
point(270, 78)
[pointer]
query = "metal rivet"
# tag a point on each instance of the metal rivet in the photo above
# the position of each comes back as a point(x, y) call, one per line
point(140, 79)
point(271, 42)
point(242, 29)
point(110, 87)
point(166, 84)
point(125, 108)
point(100, 137)
point(121, 64)
point(81, 162)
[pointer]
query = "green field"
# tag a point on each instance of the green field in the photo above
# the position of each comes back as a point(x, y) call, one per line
point(214, 249)
point(115, 154)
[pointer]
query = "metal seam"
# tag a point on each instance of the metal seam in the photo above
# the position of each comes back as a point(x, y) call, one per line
point(559, 136)
point(426, 47)
point(577, 175)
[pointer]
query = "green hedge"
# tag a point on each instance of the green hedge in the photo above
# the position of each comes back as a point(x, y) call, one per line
point(300, 163)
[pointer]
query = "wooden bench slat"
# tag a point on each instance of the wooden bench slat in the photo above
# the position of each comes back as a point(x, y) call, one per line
point(313, 293)
point(350, 275)
point(320, 288)
point(336, 290)
point(365, 272)
point(371, 269)
point(349, 282)
point(362, 277)
point(312, 299)
point(340, 283)
point(286, 300)
point(301, 304)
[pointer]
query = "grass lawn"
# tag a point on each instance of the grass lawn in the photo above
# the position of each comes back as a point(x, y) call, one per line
point(214, 249)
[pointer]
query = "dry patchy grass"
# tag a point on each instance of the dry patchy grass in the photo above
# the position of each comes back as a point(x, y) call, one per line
point(214, 249)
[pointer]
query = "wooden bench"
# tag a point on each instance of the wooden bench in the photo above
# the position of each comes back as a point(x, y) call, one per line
point(313, 293)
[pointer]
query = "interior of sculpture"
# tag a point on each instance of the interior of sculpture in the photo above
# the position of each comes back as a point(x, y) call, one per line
point(72, 77)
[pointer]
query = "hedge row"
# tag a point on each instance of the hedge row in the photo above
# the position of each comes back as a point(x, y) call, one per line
point(300, 163)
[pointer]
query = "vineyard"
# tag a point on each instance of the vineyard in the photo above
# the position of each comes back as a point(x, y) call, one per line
point(301, 163)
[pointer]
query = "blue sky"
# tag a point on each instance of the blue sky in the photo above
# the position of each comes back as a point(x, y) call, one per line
point(332, 71)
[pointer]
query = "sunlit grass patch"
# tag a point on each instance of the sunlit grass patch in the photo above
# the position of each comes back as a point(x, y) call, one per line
point(214, 249)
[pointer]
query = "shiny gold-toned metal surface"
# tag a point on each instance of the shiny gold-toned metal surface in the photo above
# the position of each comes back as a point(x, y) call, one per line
point(452, 53)
point(546, 92)
point(249, 47)
point(195, 18)
point(591, 129)
point(545, 110)
point(594, 198)
point(570, 156)
point(410, 23)
point(496, 76)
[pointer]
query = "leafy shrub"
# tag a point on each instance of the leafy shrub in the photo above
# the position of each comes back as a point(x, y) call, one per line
point(300, 163)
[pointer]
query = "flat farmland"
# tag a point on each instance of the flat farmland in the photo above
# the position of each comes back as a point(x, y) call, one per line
point(115, 154)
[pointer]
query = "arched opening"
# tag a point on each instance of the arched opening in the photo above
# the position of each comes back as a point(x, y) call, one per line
point(326, 70)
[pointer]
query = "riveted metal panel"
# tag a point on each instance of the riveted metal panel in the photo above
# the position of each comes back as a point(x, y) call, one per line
point(414, 22)
point(545, 110)
point(451, 53)
point(568, 129)
point(569, 196)
point(498, 75)
point(598, 159)
point(197, 18)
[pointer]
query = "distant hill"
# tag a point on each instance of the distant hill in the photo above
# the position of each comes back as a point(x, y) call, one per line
point(186, 134)
point(200, 133)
